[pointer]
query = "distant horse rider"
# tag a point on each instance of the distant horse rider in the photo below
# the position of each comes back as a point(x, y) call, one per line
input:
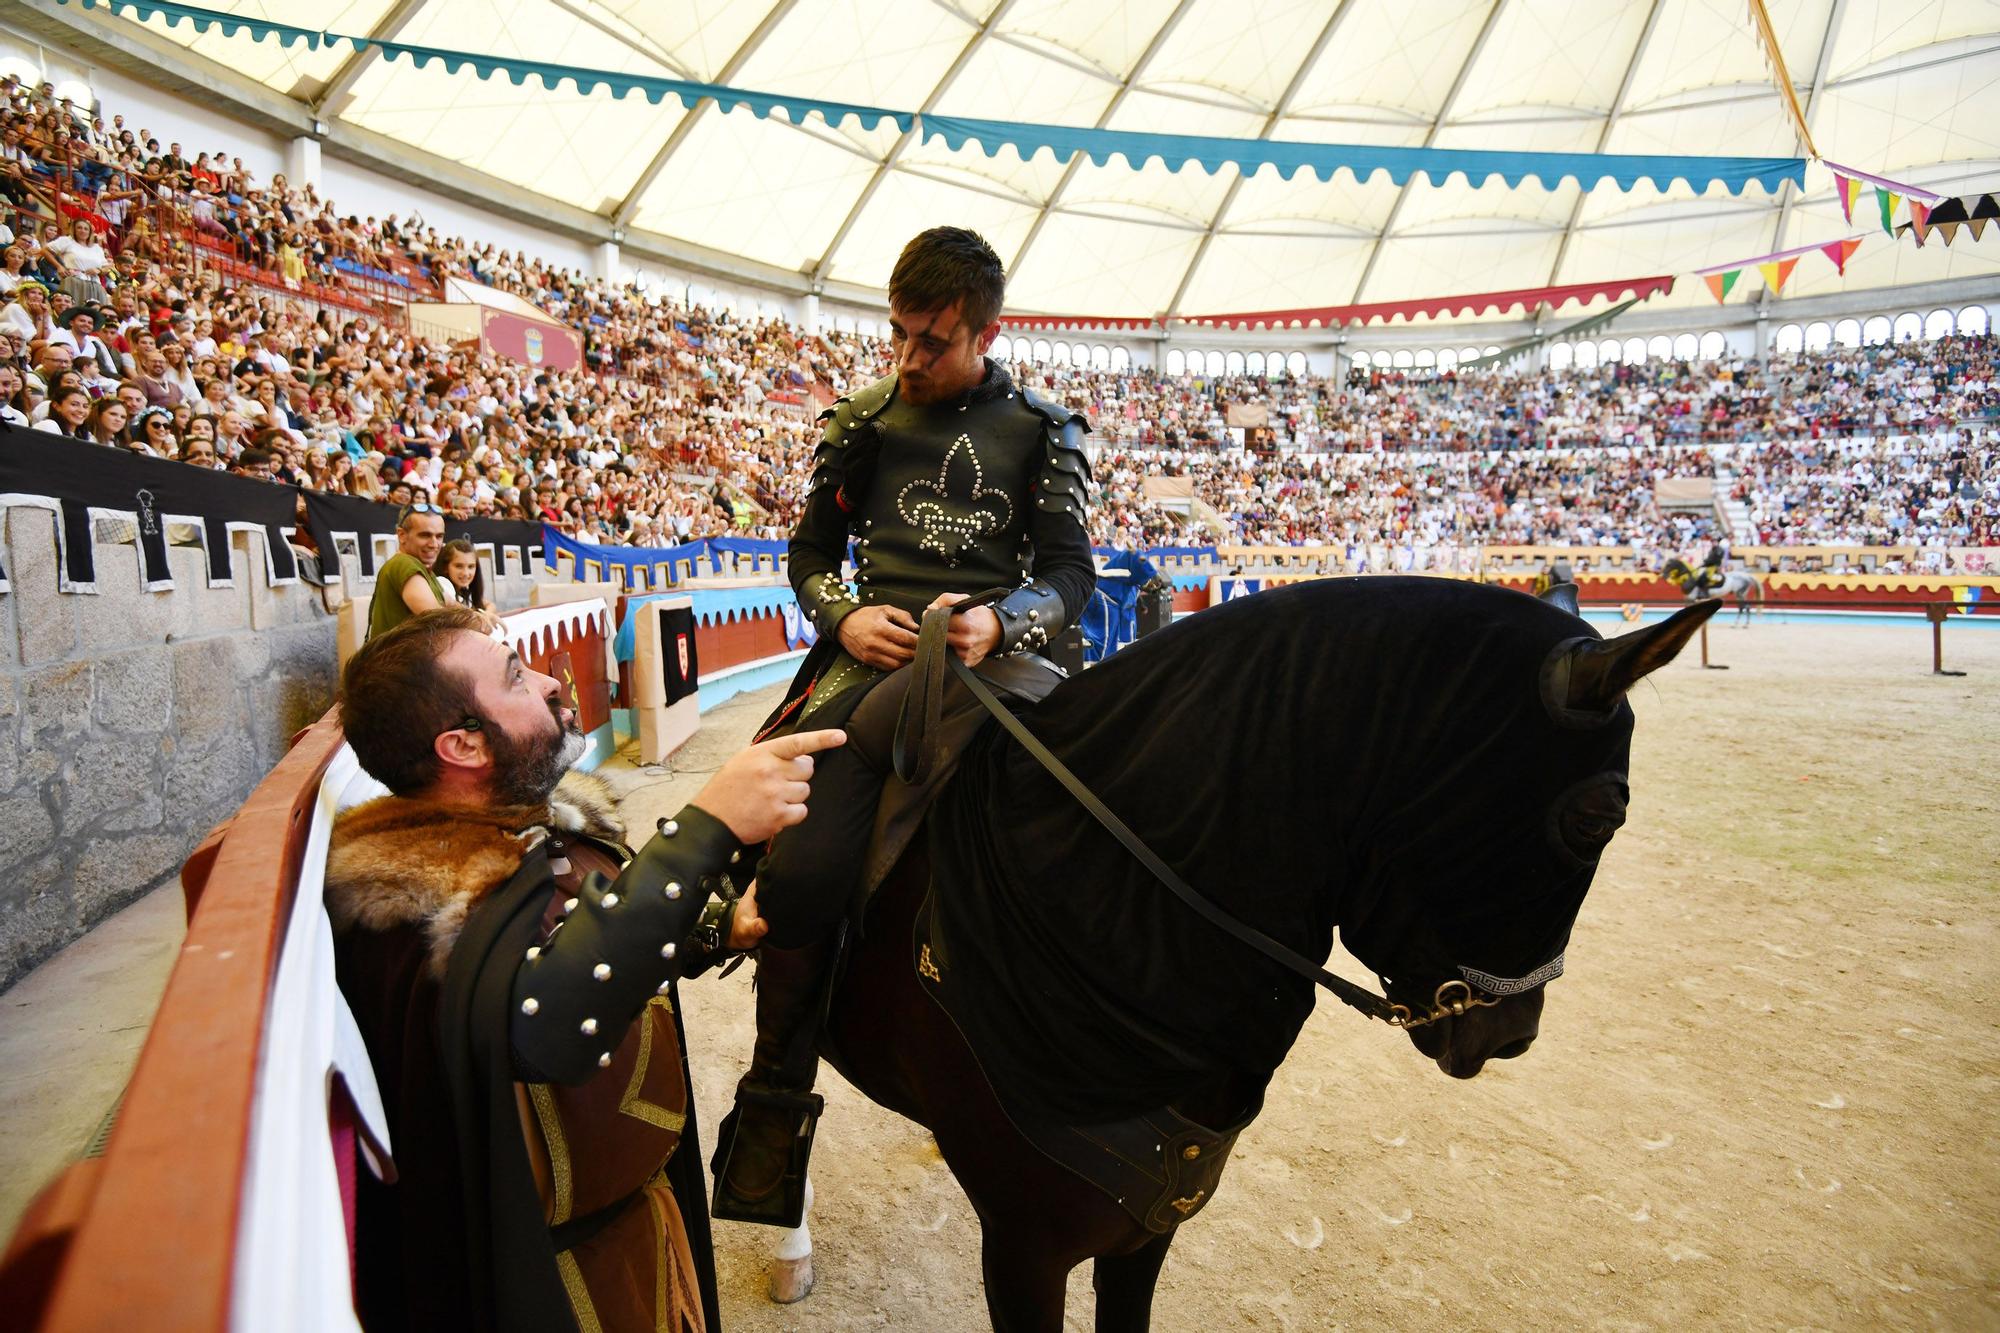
point(953, 481)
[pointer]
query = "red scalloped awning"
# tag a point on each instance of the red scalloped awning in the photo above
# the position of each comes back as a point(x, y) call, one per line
point(1330, 316)
point(1081, 323)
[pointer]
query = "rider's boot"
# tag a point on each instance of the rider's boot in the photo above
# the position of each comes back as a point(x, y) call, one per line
point(763, 1144)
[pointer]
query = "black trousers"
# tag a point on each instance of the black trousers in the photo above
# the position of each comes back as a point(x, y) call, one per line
point(807, 878)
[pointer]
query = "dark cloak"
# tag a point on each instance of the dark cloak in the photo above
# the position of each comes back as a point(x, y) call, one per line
point(511, 1263)
point(1368, 752)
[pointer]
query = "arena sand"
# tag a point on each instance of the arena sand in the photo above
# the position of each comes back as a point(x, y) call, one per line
point(1766, 1093)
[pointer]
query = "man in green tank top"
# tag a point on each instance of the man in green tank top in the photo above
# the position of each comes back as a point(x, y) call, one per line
point(405, 585)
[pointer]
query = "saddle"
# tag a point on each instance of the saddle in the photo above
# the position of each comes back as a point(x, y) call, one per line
point(933, 727)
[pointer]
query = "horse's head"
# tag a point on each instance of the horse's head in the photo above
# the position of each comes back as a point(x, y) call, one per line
point(1479, 859)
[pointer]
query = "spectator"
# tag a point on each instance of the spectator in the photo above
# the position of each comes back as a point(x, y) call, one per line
point(152, 432)
point(68, 409)
point(464, 580)
point(405, 585)
point(105, 423)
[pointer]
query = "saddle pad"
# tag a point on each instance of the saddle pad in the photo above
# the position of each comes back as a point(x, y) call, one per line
point(1159, 1166)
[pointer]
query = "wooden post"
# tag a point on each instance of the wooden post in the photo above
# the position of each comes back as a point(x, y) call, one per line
point(1707, 665)
point(1936, 612)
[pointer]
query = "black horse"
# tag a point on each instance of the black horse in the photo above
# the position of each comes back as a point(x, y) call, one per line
point(1432, 768)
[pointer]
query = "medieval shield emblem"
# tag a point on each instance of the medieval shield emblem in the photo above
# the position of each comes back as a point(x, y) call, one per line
point(531, 345)
point(681, 647)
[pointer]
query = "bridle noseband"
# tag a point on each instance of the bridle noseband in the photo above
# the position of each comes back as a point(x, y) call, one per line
point(1453, 998)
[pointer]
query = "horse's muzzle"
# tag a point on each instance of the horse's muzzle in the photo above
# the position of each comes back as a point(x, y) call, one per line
point(1461, 1045)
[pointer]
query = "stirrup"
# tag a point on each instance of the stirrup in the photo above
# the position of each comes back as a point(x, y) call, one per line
point(785, 1205)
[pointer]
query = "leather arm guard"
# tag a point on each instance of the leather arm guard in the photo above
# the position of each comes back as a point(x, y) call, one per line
point(617, 946)
point(828, 599)
point(1031, 616)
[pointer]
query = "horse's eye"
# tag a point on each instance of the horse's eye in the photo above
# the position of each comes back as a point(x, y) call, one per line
point(1586, 818)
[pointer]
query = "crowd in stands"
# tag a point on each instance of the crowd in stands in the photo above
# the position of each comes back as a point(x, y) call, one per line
point(185, 308)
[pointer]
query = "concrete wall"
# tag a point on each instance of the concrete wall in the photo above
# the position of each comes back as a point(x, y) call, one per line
point(131, 723)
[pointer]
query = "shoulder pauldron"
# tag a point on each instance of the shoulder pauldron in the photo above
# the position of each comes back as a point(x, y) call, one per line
point(851, 412)
point(1064, 479)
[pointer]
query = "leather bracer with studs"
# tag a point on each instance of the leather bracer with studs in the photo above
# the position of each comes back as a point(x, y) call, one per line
point(1031, 617)
point(615, 948)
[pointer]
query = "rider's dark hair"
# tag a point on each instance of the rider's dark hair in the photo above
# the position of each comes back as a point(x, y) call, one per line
point(947, 264)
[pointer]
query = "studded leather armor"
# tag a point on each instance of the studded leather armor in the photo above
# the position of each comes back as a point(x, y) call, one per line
point(962, 496)
point(617, 945)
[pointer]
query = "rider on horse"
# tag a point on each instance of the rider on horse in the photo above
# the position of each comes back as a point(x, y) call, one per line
point(952, 481)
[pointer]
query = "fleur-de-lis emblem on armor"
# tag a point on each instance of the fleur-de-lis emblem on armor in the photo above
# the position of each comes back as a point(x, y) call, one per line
point(951, 526)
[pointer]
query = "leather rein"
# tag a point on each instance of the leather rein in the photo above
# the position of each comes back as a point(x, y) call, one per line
point(914, 759)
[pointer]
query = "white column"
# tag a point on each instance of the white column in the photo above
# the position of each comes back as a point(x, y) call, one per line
point(810, 310)
point(302, 162)
point(1763, 334)
point(606, 261)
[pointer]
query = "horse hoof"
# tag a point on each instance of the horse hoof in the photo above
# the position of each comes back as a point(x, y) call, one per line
point(791, 1280)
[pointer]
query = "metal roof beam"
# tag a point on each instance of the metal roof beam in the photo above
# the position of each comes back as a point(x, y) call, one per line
point(643, 45)
point(339, 90)
point(888, 164)
point(1430, 137)
point(1159, 40)
point(1791, 191)
point(630, 203)
point(1604, 134)
point(1278, 112)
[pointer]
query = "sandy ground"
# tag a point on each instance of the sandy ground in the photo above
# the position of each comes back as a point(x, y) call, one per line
point(1766, 1094)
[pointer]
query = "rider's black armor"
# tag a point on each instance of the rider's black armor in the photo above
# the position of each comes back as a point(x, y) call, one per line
point(984, 491)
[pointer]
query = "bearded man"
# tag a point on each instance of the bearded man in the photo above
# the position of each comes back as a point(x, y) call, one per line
point(511, 967)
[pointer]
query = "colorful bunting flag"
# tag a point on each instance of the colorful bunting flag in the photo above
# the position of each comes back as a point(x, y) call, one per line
point(1777, 273)
point(1840, 252)
point(1888, 199)
point(1720, 283)
point(1849, 189)
point(1920, 221)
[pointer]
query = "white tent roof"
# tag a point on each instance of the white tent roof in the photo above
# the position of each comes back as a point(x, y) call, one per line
point(1908, 89)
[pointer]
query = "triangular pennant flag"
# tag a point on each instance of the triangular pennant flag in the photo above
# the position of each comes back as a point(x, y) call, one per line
point(1888, 199)
point(1839, 252)
point(1847, 188)
point(1920, 220)
point(1720, 283)
point(1978, 226)
point(1950, 230)
point(1777, 273)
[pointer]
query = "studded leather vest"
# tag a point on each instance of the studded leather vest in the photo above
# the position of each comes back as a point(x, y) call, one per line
point(947, 507)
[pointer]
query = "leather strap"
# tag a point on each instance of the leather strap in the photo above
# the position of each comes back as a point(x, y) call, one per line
point(914, 750)
point(1369, 1003)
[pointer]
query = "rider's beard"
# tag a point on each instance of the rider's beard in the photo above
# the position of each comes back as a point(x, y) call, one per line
point(526, 769)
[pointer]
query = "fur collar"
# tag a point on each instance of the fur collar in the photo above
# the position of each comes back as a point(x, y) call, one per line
point(403, 861)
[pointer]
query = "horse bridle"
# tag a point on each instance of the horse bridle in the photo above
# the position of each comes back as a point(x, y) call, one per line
point(917, 723)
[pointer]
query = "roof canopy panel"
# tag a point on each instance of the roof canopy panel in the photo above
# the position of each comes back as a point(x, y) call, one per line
point(1909, 89)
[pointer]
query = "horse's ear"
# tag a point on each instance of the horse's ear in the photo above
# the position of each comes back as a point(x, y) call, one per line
point(1584, 679)
point(1563, 595)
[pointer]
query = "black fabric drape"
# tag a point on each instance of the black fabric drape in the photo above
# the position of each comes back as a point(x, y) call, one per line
point(74, 477)
point(514, 1283)
point(335, 516)
point(681, 662)
point(1370, 753)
